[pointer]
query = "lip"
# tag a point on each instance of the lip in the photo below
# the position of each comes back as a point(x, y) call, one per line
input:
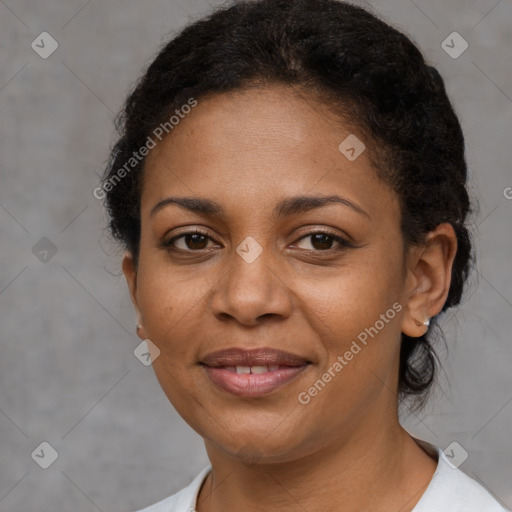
point(219, 368)
point(254, 357)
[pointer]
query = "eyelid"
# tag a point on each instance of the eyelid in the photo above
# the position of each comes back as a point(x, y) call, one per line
point(342, 240)
point(194, 231)
point(312, 229)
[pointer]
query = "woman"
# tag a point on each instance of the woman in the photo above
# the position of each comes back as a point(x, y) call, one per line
point(290, 188)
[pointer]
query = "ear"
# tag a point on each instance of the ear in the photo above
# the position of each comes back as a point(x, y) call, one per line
point(130, 274)
point(428, 279)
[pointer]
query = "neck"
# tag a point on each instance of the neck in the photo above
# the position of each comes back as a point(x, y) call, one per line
point(368, 469)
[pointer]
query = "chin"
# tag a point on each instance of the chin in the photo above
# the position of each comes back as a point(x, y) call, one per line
point(251, 447)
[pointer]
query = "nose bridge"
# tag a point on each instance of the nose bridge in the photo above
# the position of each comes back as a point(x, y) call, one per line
point(251, 287)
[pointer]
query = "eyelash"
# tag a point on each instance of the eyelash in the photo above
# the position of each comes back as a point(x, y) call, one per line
point(168, 245)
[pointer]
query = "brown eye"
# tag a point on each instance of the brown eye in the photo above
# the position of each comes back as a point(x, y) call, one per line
point(323, 241)
point(190, 241)
point(195, 241)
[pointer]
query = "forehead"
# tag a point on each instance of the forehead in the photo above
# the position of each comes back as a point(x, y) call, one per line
point(260, 144)
point(277, 119)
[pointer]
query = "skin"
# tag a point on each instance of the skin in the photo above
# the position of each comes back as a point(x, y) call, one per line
point(248, 151)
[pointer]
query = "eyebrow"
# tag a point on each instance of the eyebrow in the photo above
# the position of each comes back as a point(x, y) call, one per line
point(287, 207)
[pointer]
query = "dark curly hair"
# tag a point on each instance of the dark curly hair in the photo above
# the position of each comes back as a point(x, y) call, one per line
point(362, 69)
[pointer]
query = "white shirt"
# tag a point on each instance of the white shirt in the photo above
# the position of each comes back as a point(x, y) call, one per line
point(450, 490)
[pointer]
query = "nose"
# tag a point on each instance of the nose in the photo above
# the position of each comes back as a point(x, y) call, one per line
point(252, 292)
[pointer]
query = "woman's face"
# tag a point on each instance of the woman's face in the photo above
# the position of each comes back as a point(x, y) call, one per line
point(261, 277)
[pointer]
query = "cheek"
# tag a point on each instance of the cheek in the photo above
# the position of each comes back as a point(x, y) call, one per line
point(169, 303)
point(171, 316)
point(351, 297)
point(356, 315)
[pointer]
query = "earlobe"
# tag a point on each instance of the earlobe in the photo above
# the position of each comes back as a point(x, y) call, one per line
point(429, 279)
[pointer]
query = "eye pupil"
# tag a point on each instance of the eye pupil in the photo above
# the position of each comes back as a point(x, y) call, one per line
point(197, 241)
point(194, 237)
point(327, 240)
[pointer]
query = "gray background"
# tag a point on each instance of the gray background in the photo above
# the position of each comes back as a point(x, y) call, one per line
point(67, 369)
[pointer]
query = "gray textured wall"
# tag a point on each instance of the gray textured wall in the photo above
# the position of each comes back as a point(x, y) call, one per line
point(68, 375)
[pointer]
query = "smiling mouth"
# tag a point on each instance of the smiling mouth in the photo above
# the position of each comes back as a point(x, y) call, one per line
point(257, 369)
point(252, 373)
